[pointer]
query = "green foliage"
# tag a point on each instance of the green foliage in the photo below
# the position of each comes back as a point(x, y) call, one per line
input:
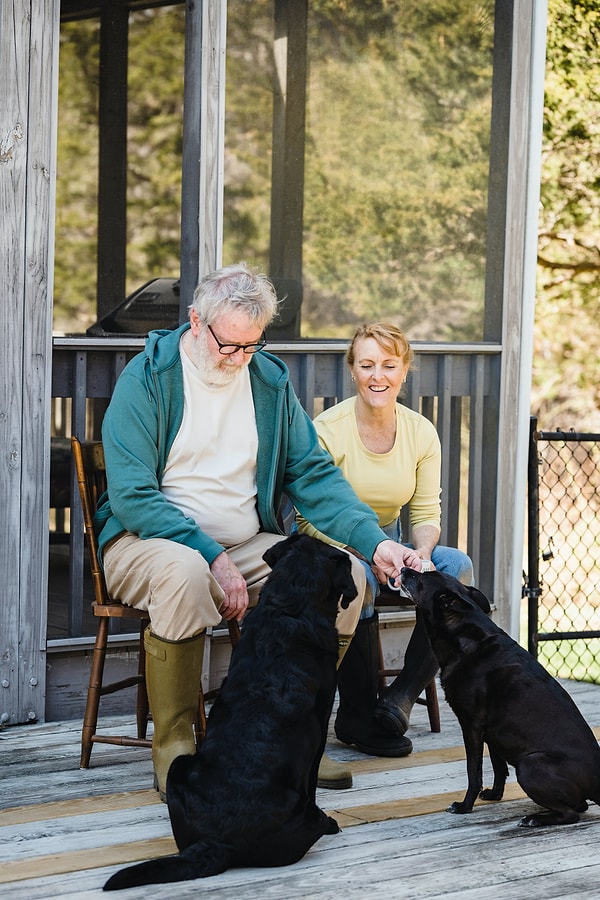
point(76, 201)
point(248, 127)
point(396, 167)
point(395, 170)
point(566, 391)
point(397, 142)
point(155, 89)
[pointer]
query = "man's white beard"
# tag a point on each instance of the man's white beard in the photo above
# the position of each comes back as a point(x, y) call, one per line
point(210, 372)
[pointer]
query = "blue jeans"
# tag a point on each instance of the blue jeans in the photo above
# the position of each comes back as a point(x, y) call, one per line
point(446, 559)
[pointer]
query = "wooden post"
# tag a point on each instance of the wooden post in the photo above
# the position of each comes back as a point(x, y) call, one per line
point(112, 157)
point(287, 177)
point(29, 33)
point(203, 144)
point(518, 302)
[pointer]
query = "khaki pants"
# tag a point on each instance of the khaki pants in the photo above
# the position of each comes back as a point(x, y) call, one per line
point(175, 586)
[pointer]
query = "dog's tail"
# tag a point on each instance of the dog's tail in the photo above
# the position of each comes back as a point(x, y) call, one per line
point(197, 861)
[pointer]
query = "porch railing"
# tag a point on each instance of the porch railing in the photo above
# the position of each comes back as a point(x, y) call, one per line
point(452, 384)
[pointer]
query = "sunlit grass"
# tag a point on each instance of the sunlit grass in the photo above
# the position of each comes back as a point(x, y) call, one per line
point(571, 659)
point(569, 563)
point(577, 659)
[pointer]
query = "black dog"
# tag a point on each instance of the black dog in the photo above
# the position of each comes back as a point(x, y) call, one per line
point(502, 696)
point(247, 797)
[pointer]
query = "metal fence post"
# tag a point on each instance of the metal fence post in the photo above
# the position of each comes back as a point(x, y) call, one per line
point(532, 588)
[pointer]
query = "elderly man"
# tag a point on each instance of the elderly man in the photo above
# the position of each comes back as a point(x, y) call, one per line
point(203, 435)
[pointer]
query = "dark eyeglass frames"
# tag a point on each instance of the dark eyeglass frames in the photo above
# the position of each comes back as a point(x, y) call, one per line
point(229, 349)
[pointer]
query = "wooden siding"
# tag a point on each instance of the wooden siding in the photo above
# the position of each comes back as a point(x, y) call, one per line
point(28, 75)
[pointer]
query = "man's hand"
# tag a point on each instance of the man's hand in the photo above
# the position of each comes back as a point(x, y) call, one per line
point(390, 557)
point(233, 585)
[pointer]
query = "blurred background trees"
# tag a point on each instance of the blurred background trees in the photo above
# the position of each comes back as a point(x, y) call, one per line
point(566, 379)
point(396, 168)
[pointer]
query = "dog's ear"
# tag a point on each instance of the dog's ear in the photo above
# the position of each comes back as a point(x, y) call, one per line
point(343, 581)
point(348, 595)
point(448, 599)
point(279, 550)
point(480, 599)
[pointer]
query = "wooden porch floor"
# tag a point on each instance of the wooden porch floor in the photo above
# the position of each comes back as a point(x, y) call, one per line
point(63, 831)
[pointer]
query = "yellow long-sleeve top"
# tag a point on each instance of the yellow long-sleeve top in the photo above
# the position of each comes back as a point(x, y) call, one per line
point(408, 473)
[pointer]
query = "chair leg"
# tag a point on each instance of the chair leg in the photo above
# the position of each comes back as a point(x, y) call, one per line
point(431, 697)
point(234, 632)
point(200, 718)
point(142, 706)
point(234, 636)
point(90, 718)
point(381, 677)
point(433, 707)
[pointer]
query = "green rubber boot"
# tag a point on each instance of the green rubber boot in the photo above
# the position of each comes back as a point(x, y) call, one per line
point(173, 673)
point(333, 775)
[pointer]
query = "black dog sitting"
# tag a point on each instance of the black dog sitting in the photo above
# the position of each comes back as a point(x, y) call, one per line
point(502, 696)
point(247, 797)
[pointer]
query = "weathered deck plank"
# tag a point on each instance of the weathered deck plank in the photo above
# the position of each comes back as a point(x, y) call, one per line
point(63, 831)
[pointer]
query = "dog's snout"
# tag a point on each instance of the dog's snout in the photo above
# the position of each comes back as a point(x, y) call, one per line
point(407, 575)
point(408, 581)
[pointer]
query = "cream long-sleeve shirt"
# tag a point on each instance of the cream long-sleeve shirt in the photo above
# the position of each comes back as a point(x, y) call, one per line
point(408, 473)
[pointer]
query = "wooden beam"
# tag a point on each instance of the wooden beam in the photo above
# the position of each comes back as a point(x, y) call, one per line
point(203, 144)
point(112, 160)
point(29, 74)
point(523, 191)
point(287, 174)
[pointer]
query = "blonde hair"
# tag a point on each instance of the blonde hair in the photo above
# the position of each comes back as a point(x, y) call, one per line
point(387, 336)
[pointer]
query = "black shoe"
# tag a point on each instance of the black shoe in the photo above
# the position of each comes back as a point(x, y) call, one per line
point(392, 711)
point(373, 742)
point(357, 685)
point(390, 718)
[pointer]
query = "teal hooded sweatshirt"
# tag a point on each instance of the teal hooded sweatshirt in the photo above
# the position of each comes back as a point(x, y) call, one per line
point(140, 425)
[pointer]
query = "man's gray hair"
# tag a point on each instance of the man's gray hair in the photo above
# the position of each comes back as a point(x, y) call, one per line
point(236, 288)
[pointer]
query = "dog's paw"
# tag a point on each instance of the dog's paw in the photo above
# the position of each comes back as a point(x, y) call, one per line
point(531, 822)
point(460, 808)
point(491, 794)
point(552, 817)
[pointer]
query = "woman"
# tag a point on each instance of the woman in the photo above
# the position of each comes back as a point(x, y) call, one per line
point(392, 456)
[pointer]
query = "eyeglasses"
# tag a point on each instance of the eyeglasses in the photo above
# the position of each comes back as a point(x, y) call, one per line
point(230, 349)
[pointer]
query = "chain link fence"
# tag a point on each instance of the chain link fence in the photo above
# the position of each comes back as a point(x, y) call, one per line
point(562, 584)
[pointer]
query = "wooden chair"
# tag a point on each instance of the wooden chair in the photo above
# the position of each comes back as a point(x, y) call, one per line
point(88, 457)
point(387, 599)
